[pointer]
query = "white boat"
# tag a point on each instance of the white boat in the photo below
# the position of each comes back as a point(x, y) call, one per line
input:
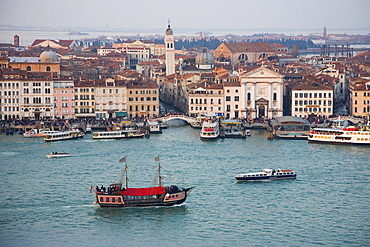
point(210, 128)
point(38, 132)
point(233, 129)
point(88, 129)
point(65, 135)
point(267, 174)
point(154, 127)
point(58, 155)
point(117, 134)
point(347, 135)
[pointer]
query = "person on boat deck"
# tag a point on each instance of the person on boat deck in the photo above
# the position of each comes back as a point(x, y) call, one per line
point(97, 189)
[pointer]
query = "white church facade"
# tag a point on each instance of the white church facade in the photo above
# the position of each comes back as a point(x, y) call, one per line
point(264, 93)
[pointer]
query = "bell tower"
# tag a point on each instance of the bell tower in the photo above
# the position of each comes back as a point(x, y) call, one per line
point(170, 50)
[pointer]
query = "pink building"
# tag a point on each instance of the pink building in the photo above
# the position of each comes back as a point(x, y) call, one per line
point(64, 101)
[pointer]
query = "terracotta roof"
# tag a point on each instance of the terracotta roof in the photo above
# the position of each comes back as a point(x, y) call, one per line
point(250, 47)
point(311, 85)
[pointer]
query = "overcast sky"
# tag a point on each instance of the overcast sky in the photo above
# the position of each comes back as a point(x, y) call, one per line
point(201, 15)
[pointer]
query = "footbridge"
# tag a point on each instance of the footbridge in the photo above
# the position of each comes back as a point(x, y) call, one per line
point(190, 120)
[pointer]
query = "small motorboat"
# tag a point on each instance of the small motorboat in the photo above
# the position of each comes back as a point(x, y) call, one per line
point(266, 174)
point(58, 155)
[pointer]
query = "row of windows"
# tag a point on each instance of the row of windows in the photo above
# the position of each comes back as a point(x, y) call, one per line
point(312, 102)
point(203, 108)
point(10, 101)
point(86, 90)
point(365, 102)
point(9, 85)
point(36, 100)
point(203, 101)
point(313, 109)
point(312, 95)
point(365, 94)
point(363, 109)
point(142, 99)
point(9, 93)
point(10, 109)
point(142, 108)
point(36, 90)
point(142, 92)
point(29, 68)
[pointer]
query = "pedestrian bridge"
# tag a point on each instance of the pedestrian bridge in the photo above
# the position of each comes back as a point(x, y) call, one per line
point(190, 120)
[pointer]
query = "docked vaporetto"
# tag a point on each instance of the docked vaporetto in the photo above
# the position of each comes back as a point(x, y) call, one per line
point(65, 135)
point(348, 135)
point(117, 134)
point(210, 127)
point(266, 174)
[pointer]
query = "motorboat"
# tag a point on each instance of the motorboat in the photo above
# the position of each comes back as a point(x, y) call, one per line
point(119, 195)
point(346, 135)
point(267, 174)
point(58, 155)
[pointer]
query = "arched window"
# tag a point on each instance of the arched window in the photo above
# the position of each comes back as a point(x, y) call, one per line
point(249, 96)
point(243, 57)
point(274, 96)
point(101, 199)
point(107, 200)
point(48, 68)
point(28, 68)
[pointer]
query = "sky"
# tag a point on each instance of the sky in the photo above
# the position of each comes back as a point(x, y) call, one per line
point(267, 16)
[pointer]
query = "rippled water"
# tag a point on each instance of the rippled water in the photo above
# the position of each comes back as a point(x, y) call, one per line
point(46, 202)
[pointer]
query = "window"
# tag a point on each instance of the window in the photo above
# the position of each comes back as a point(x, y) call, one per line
point(28, 68)
point(48, 68)
point(274, 97)
point(236, 98)
point(228, 98)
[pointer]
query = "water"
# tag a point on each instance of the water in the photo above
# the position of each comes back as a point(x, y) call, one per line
point(46, 202)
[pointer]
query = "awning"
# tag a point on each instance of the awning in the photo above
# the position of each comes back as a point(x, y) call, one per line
point(143, 191)
point(121, 114)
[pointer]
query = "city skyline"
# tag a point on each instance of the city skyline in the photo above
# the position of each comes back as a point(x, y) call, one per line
point(208, 16)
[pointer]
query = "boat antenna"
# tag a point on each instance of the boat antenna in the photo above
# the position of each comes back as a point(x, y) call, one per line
point(124, 173)
point(159, 171)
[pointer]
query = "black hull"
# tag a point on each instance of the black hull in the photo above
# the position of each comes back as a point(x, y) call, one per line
point(163, 200)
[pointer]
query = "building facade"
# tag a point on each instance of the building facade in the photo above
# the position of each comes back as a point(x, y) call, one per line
point(263, 93)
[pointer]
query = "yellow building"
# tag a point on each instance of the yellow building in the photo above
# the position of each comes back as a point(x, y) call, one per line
point(360, 97)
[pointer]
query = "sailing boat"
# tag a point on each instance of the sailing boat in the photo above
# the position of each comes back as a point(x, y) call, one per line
point(118, 196)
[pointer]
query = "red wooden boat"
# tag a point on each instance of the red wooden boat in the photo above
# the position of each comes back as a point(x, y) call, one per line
point(117, 195)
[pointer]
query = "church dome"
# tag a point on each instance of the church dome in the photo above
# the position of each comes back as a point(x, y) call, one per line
point(48, 57)
point(169, 30)
point(204, 60)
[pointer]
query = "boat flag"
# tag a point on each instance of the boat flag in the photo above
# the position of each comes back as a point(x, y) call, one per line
point(122, 160)
point(156, 158)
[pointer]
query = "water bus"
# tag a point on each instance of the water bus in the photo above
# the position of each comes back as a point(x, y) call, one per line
point(346, 135)
point(39, 132)
point(117, 195)
point(210, 128)
point(64, 135)
point(267, 174)
point(118, 134)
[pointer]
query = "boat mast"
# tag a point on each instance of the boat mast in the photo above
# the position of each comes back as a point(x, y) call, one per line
point(159, 171)
point(124, 174)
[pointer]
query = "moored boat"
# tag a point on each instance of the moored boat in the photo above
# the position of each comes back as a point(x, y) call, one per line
point(266, 174)
point(118, 134)
point(118, 195)
point(65, 135)
point(346, 135)
point(210, 128)
point(233, 129)
point(58, 155)
point(38, 132)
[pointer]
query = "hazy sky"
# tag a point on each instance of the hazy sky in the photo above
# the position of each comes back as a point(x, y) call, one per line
point(201, 15)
